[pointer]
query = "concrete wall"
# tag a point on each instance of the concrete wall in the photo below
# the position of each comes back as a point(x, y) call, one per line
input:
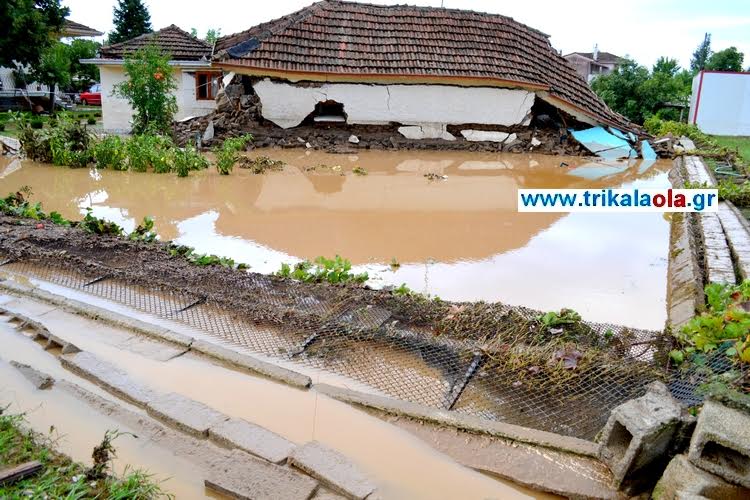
point(720, 103)
point(117, 113)
point(432, 106)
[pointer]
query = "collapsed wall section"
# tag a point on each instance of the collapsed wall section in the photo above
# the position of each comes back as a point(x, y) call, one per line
point(288, 105)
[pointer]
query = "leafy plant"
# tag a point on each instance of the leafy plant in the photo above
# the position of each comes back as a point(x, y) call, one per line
point(564, 317)
point(359, 171)
point(149, 151)
point(94, 225)
point(91, 121)
point(187, 159)
point(261, 164)
point(403, 291)
point(336, 270)
point(725, 325)
point(66, 142)
point(144, 231)
point(110, 152)
point(228, 154)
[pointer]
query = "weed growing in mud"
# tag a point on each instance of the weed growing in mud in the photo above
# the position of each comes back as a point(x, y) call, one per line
point(110, 153)
point(359, 171)
point(66, 143)
point(204, 259)
point(336, 270)
point(62, 478)
point(564, 317)
point(229, 153)
point(144, 231)
point(261, 164)
point(94, 225)
point(17, 204)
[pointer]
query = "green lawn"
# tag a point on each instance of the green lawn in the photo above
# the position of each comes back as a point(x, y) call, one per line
point(741, 144)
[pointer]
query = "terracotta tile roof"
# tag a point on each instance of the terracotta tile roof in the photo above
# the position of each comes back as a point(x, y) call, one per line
point(72, 28)
point(604, 57)
point(180, 44)
point(346, 38)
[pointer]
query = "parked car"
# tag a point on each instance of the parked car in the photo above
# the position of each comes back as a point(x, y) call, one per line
point(93, 96)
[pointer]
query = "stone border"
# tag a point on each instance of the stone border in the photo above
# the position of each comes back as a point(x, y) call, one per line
point(389, 405)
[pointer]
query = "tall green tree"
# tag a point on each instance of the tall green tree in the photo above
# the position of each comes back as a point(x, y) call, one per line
point(666, 65)
point(27, 28)
point(131, 19)
point(701, 54)
point(83, 75)
point(726, 60)
point(53, 68)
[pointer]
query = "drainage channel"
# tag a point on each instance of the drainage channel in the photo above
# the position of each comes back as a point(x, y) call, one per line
point(402, 465)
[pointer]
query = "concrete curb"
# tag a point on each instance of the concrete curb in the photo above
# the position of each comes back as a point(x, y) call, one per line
point(213, 351)
point(473, 424)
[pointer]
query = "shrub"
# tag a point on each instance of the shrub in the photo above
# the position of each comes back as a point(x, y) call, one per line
point(98, 115)
point(110, 152)
point(228, 154)
point(91, 121)
point(65, 143)
point(187, 159)
point(2, 127)
point(336, 270)
point(37, 124)
point(146, 151)
point(94, 225)
point(148, 90)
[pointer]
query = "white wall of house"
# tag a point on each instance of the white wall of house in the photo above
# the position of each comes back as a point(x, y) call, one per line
point(117, 113)
point(720, 103)
point(430, 106)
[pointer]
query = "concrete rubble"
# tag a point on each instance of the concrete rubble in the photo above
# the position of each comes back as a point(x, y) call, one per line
point(253, 439)
point(683, 480)
point(333, 469)
point(638, 437)
point(721, 443)
point(246, 477)
point(184, 413)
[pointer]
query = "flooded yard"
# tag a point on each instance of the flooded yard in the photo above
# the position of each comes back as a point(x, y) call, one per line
point(460, 238)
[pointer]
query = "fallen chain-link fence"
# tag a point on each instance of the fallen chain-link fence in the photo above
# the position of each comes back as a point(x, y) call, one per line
point(403, 363)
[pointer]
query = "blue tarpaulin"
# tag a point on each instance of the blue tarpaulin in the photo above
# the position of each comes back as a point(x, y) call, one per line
point(604, 144)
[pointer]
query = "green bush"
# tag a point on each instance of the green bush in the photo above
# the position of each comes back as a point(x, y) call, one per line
point(228, 154)
point(65, 143)
point(91, 121)
point(2, 127)
point(146, 151)
point(186, 159)
point(110, 153)
point(336, 270)
point(37, 124)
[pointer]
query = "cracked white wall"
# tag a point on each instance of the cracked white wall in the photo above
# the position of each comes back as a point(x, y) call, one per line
point(287, 105)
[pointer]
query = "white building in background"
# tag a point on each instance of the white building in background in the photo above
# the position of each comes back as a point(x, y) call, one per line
point(720, 104)
point(197, 83)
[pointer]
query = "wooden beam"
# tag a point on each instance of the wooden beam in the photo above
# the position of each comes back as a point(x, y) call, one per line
point(19, 472)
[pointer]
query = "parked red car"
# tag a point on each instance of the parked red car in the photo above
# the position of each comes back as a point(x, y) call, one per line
point(93, 96)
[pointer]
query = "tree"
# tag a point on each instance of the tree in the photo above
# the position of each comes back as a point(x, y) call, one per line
point(701, 54)
point(131, 19)
point(28, 28)
point(726, 60)
point(53, 68)
point(212, 35)
point(83, 75)
point(621, 89)
point(666, 65)
point(149, 90)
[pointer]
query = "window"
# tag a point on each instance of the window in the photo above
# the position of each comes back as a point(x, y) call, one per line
point(206, 85)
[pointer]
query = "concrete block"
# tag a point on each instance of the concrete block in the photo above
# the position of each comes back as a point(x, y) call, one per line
point(39, 379)
point(721, 443)
point(333, 469)
point(237, 433)
point(184, 413)
point(638, 436)
point(683, 480)
point(108, 376)
point(484, 135)
point(246, 477)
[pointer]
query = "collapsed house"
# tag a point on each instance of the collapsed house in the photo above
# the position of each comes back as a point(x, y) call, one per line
point(389, 76)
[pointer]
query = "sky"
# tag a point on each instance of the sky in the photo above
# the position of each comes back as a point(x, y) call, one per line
point(641, 29)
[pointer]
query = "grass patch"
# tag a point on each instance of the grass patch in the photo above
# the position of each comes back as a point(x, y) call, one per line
point(60, 477)
point(739, 144)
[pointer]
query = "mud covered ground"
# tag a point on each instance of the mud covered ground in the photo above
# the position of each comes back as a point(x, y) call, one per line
point(534, 351)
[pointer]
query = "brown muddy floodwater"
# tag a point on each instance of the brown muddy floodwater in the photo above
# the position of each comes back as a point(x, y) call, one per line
point(460, 238)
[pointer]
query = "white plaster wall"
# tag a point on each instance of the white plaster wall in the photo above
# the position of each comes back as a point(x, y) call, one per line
point(287, 105)
point(117, 113)
point(724, 104)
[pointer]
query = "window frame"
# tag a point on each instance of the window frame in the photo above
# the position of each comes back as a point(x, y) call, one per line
point(210, 76)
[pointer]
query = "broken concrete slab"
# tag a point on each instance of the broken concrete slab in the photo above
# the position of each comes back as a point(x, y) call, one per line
point(246, 477)
point(256, 440)
point(113, 379)
point(333, 469)
point(184, 413)
point(683, 480)
point(426, 131)
point(638, 435)
point(721, 443)
point(38, 379)
point(484, 136)
point(253, 364)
